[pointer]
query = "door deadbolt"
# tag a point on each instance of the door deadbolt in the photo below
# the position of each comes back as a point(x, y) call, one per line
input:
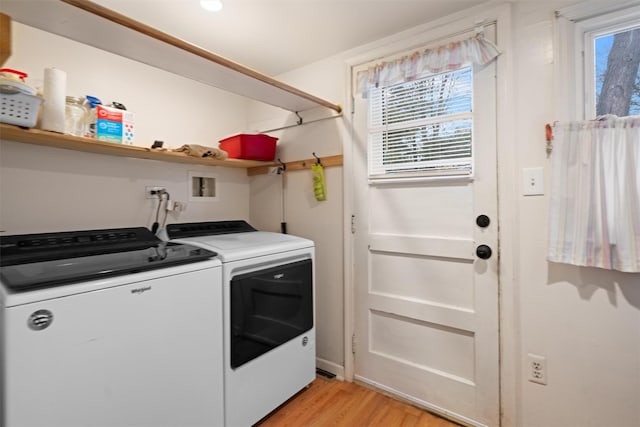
point(483, 221)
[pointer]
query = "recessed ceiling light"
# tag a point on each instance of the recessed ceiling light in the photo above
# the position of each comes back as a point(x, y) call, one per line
point(211, 5)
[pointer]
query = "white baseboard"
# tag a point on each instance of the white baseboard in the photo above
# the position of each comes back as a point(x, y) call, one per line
point(334, 368)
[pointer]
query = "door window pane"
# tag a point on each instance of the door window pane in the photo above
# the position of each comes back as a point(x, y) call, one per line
point(422, 127)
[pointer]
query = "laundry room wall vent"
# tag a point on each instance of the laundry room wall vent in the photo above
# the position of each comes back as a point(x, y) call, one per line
point(202, 187)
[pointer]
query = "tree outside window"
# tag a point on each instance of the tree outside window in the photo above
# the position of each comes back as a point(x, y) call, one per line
point(617, 58)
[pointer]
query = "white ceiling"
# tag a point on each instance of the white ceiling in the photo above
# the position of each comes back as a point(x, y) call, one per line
point(274, 36)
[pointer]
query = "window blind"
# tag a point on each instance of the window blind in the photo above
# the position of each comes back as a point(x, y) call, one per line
point(422, 127)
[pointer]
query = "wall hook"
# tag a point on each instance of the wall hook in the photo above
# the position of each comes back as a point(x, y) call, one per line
point(299, 118)
point(318, 162)
point(282, 167)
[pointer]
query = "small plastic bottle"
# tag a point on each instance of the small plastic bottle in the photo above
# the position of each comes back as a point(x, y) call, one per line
point(75, 116)
point(90, 129)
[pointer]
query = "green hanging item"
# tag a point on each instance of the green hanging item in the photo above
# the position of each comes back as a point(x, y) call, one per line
point(319, 186)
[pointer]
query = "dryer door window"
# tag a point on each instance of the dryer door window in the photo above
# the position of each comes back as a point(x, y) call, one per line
point(268, 308)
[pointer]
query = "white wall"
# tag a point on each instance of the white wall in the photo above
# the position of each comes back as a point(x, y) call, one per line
point(586, 322)
point(47, 189)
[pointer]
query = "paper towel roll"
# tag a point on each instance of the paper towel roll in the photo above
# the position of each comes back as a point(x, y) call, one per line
point(54, 94)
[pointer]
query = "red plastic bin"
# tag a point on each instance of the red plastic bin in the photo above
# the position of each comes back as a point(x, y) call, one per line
point(250, 147)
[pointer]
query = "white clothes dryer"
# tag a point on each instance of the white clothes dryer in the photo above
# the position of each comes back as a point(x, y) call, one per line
point(268, 306)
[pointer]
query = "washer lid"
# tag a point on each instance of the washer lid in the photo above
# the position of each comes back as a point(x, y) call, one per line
point(233, 246)
point(34, 261)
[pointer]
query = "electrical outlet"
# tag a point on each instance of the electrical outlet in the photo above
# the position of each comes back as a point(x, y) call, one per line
point(153, 191)
point(537, 369)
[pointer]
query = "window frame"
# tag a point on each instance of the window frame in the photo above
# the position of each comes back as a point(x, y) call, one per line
point(575, 37)
point(426, 173)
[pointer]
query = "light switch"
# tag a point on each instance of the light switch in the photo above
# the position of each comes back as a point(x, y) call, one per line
point(532, 181)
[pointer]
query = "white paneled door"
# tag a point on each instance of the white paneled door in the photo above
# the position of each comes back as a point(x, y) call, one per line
point(426, 302)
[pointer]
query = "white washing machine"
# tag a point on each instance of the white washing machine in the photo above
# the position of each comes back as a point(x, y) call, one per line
point(268, 305)
point(109, 328)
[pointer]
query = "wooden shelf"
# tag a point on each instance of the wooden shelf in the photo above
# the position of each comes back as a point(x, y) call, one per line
point(297, 165)
point(57, 140)
point(97, 26)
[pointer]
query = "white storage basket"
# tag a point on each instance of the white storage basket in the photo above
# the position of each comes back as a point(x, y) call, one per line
point(19, 109)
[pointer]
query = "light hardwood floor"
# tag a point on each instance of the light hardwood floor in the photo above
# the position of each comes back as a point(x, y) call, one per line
point(337, 403)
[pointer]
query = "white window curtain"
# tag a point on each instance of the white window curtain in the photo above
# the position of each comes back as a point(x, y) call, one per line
point(595, 194)
point(452, 56)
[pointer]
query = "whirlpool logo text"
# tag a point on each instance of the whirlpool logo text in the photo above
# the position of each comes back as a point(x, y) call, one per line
point(140, 290)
